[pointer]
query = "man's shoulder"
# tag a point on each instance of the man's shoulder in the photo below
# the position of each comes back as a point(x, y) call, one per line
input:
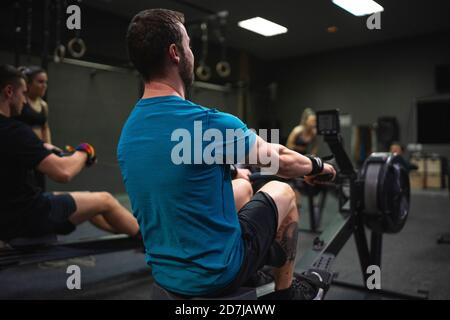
point(202, 112)
point(200, 107)
point(11, 126)
point(13, 131)
point(213, 111)
point(217, 118)
point(229, 120)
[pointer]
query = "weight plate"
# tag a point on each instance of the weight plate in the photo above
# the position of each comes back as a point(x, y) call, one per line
point(203, 72)
point(223, 69)
point(76, 47)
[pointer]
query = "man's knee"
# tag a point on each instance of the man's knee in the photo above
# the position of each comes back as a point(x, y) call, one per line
point(280, 191)
point(105, 201)
point(244, 187)
point(284, 197)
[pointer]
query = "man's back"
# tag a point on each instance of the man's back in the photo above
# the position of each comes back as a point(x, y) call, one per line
point(186, 211)
point(20, 199)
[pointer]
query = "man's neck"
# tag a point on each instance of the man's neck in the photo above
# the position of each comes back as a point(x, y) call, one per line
point(158, 88)
point(4, 110)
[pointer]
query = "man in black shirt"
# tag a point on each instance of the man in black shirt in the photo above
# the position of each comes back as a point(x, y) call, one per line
point(25, 211)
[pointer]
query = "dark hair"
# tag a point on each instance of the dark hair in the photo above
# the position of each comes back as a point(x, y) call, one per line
point(9, 75)
point(31, 72)
point(149, 35)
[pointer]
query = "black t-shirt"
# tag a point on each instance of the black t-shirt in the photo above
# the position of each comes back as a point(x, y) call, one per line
point(21, 201)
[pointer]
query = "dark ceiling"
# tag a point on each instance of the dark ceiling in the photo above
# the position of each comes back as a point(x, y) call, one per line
point(306, 20)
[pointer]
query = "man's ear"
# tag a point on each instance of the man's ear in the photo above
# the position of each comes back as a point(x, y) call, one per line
point(174, 53)
point(8, 91)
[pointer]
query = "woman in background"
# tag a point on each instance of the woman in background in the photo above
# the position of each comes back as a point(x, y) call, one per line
point(303, 137)
point(35, 110)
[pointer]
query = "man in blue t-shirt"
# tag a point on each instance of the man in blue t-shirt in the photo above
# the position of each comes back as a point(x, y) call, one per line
point(205, 234)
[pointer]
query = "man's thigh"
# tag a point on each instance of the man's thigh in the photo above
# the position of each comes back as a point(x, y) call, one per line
point(282, 195)
point(259, 224)
point(242, 192)
point(89, 204)
point(56, 218)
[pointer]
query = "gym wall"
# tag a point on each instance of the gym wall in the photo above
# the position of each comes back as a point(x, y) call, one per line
point(91, 105)
point(367, 82)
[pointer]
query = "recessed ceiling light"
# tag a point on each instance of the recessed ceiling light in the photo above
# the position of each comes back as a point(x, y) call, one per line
point(332, 29)
point(262, 26)
point(359, 7)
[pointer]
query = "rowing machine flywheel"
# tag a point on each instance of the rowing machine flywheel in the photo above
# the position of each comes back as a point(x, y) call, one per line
point(386, 192)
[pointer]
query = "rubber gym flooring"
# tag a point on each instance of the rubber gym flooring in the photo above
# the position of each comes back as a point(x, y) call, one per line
point(412, 262)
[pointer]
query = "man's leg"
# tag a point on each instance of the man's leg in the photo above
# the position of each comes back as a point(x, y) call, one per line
point(114, 217)
point(243, 192)
point(287, 231)
point(97, 220)
point(100, 222)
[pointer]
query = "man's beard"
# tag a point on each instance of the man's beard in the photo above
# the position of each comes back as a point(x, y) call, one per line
point(14, 110)
point(186, 73)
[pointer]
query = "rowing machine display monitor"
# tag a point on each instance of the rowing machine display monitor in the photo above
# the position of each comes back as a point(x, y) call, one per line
point(328, 123)
point(329, 127)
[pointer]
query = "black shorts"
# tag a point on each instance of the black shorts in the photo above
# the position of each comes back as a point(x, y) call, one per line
point(54, 220)
point(259, 223)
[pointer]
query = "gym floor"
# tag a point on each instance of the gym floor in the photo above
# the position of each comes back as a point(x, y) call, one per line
point(413, 262)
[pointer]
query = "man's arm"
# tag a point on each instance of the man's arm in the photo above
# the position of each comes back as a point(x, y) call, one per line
point(240, 173)
point(291, 164)
point(63, 169)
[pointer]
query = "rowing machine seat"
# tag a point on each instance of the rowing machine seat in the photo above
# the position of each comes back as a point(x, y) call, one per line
point(243, 293)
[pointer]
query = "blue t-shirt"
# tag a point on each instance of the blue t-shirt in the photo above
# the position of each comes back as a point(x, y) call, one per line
point(183, 203)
